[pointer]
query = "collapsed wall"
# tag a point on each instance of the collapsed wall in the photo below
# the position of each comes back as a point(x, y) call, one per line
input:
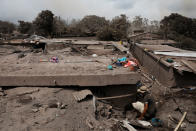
point(169, 74)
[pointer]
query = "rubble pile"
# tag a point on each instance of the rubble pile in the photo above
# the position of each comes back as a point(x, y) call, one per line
point(89, 85)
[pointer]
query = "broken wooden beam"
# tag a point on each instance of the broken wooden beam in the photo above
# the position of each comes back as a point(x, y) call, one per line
point(180, 122)
point(120, 47)
point(189, 65)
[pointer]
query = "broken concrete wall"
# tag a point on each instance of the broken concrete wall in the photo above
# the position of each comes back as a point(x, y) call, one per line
point(185, 79)
point(51, 46)
point(160, 71)
point(119, 90)
point(70, 80)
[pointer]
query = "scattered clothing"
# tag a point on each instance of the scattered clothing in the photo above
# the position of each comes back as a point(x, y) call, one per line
point(130, 63)
point(139, 106)
point(54, 60)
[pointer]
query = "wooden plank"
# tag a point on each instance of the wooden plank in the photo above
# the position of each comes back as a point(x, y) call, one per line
point(120, 47)
point(180, 122)
point(189, 65)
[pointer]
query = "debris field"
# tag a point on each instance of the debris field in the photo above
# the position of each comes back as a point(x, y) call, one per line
point(81, 85)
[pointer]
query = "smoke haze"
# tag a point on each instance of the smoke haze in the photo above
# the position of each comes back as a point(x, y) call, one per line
point(14, 10)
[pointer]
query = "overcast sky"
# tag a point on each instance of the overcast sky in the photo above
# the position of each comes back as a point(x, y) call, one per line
point(14, 10)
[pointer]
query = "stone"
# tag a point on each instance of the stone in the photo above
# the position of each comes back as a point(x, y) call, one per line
point(35, 110)
point(24, 99)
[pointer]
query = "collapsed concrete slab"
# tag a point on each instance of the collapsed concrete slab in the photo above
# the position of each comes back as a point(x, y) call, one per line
point(169, 74)
point(70, 80)
point(73, 68)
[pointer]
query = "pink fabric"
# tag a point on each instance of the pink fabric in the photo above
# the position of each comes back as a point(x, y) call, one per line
point(130, 63)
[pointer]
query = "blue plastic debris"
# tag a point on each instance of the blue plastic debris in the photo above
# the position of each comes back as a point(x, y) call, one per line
point(156, 122)
point(124, 59)
point(110, 67)
point(118, 64)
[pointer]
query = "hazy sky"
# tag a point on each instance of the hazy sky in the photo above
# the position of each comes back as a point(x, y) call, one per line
point(15, 10)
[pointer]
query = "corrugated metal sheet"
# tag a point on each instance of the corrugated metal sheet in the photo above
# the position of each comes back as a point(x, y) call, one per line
point(178, 54)
point(80, 95)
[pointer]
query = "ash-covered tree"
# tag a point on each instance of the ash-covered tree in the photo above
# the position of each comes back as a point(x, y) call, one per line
point(181, 29)
point(145, 24)
point(106, 33)
point(178, 24)
point(91, 24)
point(154, 26)
point(74, 28)
point(59, 24)
point(25, 27)
point(120, 26)
point(6, 27)
point(138, 23)
point(44, 23)
point(116, 30)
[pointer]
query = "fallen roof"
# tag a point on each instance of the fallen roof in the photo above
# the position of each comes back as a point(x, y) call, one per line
point(164, 52)
point(80, 95)
point(36, 69)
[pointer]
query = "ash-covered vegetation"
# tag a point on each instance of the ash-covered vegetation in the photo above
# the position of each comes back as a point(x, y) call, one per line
point(175, 26)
